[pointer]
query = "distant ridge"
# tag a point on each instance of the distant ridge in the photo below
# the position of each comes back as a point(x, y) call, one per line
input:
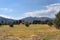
point(6, 20)
point(31, 19)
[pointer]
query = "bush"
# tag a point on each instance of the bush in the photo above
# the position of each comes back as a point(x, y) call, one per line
point(45, 38)
point(0, 24)
point(27, 24)
point(50, 23)
point(11, 25)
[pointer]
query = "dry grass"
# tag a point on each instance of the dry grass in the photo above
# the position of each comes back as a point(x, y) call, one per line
point(22, 31)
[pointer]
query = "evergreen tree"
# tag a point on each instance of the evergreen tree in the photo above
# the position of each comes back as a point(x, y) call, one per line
point(57, 20)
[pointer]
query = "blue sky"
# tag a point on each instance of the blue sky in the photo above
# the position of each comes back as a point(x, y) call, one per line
point(18, 9)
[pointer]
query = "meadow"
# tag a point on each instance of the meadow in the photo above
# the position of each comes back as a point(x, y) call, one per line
point(33, 32)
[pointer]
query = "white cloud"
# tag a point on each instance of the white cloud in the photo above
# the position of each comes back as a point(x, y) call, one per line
point(6, 9)
point(9, 17)
point(49, 11)
point(54, 7)
point(5, 16)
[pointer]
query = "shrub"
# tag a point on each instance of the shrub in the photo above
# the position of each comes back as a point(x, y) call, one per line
point(0, 24)
point(27, 24)
point(11, 25)
point(50, 23)
point(45, 39)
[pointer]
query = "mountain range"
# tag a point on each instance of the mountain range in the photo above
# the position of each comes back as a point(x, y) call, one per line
point(27, 19)
point(31, 19)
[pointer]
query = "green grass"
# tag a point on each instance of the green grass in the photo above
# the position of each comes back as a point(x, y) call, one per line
point(22, 31)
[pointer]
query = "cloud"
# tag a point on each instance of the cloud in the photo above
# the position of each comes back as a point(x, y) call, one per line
point(10, 17)
point(49, 11)
point(6, 9)
point(5, 16)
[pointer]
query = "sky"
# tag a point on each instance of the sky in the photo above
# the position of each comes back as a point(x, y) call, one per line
point(18, 9)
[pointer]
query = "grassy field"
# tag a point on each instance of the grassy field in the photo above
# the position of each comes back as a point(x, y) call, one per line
point(21, 31)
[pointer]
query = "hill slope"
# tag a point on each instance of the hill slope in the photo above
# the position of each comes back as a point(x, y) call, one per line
point(31, 19)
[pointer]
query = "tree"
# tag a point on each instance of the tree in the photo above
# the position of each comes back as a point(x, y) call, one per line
point(1, 23)
point(57, 20)
point(20, 21)
point(36, 22)
point(27, 24)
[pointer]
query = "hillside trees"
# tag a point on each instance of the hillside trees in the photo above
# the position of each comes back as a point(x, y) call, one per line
point(36, 22)
point(1, 22)
point(40, 22)
point(17, 22)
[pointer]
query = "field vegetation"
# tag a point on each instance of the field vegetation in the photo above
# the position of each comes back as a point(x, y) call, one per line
point(26, 33)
